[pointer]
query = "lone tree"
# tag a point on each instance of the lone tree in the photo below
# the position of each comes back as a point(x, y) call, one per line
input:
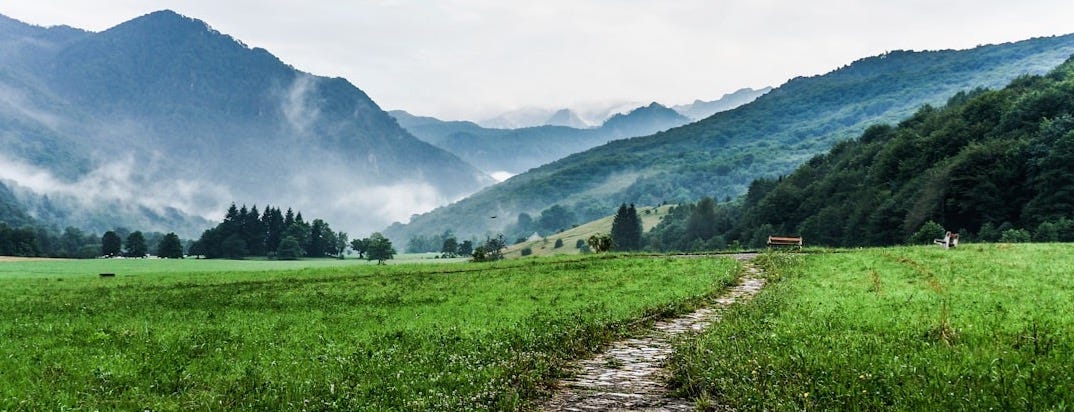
point(600, 243)
point(450, 247)
point(626, 229)
point(466, 248)
point(491, 250)
point(341, 243)
point(170, 247)
point(111, 244)
point(379, 248)
point(360, 246)
point(136, 245)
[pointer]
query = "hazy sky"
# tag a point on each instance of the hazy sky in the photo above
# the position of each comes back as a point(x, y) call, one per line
point(469, 59)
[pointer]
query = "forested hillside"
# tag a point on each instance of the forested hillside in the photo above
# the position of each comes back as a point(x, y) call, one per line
point(721, 155)
point(990, 165)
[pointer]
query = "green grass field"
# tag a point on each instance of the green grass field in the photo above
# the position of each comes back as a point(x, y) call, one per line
point(238, 335)
point(983, 327)
point(18, 268)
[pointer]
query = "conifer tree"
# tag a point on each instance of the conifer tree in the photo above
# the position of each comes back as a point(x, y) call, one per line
point(170, 247)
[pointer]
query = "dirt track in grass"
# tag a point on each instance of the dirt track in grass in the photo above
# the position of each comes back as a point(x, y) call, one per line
point(630, 374)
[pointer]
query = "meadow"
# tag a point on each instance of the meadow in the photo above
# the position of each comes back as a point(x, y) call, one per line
point(981, 327)
point(328, 337)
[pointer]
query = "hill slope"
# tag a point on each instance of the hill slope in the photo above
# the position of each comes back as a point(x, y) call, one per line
point(987, 162)
point(164, 116)
point(722, 154)
point(650, 217)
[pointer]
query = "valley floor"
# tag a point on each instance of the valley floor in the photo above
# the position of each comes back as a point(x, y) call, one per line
point(909, 328)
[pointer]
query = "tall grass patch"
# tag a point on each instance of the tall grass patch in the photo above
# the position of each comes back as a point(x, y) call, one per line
point(406, 337)
point(982, 327)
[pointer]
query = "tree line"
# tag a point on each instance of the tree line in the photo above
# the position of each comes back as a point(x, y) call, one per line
point(284, 235)
point(246, 232)
point(73, 243)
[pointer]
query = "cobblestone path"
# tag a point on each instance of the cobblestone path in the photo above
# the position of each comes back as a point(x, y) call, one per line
point(629, 376)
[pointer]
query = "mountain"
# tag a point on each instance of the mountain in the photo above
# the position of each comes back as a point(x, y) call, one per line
point(643, 121)
point(701, 109)
point(162, 121)
point(990, 165)
point(566, 117)
point(721, 155)
point(588, 115)
point(516, 150)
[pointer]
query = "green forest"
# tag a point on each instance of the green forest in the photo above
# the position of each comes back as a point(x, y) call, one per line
point(991, 165)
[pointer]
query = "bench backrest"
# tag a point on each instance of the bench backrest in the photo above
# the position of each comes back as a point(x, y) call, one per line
point(784, 241)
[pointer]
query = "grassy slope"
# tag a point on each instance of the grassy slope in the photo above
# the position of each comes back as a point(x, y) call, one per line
point(403, 337)
point(546, 246)
point(982, 327)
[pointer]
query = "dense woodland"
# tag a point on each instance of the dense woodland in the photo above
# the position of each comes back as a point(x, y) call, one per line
point(991, 165)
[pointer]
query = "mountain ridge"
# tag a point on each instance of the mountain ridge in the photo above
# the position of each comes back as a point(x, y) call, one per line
point(517, 150)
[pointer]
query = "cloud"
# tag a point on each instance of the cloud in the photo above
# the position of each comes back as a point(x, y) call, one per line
point(501, 175)
point(124, 180)
point(299, 112)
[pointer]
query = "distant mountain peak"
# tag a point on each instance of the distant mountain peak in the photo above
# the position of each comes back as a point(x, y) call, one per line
point(566, 117)
point(701, 109)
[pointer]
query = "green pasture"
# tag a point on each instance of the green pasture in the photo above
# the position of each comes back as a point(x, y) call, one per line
point(981, 327)
point(124, 267)
point(323, 335)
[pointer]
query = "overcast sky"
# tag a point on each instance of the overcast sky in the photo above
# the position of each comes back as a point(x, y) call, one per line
point(470, 59)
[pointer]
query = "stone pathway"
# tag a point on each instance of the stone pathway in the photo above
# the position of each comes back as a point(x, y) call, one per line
point(630, 376)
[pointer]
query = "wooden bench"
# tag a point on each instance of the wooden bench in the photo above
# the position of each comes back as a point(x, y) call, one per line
point(949, 240)
point(784, 241)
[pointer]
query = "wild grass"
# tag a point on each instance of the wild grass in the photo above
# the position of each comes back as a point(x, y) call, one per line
point(981, 327)
point(405, 337)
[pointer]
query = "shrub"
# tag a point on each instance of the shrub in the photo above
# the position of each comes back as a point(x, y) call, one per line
point(559, 243)
point(928, 232)
point(527, 251)
point(289, 249)
point(600, 243)
point(579, 244)
point(1015, 236)
point(1046, 232)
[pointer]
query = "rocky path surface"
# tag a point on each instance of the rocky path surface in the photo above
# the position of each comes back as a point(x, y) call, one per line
point(629, 376)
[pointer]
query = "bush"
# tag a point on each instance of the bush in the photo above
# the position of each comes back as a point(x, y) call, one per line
point(579, 244)
point(559, 243)
point(600, 243)
point(1046, 232)
point(928, 232)
point(988, 233)
point(527, 251)
point(1015, 236)
point(289, 249)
